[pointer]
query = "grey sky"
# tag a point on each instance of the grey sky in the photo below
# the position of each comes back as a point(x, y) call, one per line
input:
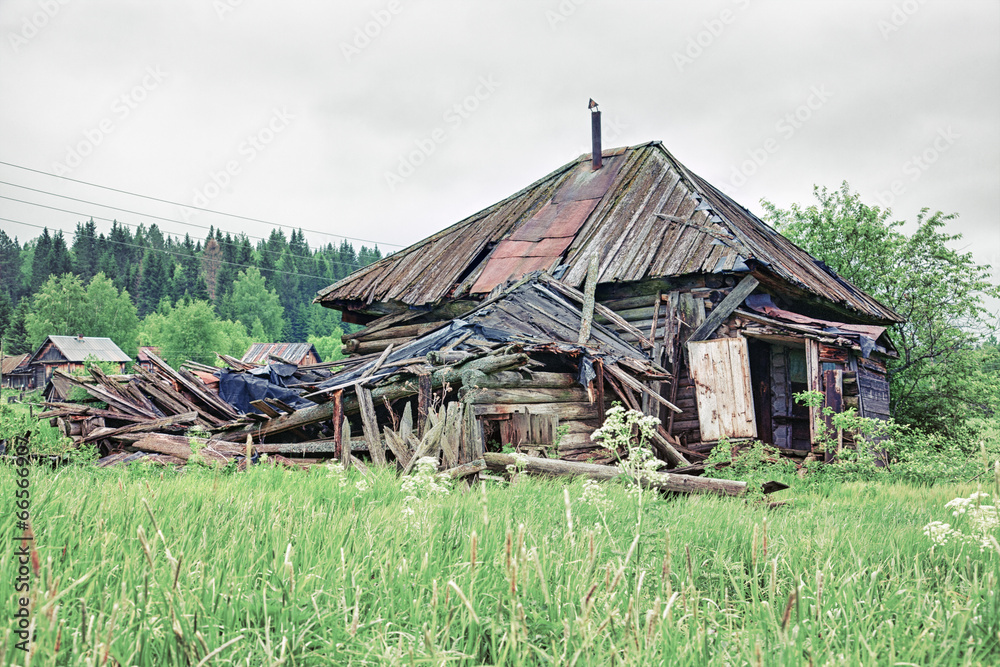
point(341, 117)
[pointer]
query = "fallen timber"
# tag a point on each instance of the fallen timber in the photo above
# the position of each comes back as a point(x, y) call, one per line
point(653, 480)
point(401, 389)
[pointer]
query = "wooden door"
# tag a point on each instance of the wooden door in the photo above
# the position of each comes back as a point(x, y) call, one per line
point(720, 370)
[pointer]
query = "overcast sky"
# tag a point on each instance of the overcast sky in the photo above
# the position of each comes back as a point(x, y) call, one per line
point(391, 119)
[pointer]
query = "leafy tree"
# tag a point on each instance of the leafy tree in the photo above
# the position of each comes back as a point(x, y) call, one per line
point(191, 331)
point(59, 308)
point(112, 314)
point(940, 291)
point(330, 347)
point(253, 304)
point(64, 307)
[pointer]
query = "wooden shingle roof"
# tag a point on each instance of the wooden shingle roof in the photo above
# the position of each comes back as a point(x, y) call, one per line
point(645, 215)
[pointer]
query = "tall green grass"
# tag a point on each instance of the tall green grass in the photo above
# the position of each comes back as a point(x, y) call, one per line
point(276, 567)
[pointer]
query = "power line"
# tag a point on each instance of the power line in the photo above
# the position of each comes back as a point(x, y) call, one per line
point(196, 208)
point(86, 215)
point(125, 210)
point(178, 254)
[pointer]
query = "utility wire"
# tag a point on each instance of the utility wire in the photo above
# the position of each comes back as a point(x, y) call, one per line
point(125, 210)
point(196, 208)
point(86, 215)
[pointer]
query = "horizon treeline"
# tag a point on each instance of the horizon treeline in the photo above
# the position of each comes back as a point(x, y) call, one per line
point(159, 271)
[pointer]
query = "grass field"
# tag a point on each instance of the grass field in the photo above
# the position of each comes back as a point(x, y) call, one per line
point(282, 567)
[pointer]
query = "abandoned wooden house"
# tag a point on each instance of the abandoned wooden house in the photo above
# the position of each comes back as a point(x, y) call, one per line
point(740, 317)
point(68, 354)
point(14, 371)
point(300, 354)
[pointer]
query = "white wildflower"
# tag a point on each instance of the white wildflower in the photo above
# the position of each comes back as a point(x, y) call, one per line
point(361, 485)
point(938, 532)
point(593, 495)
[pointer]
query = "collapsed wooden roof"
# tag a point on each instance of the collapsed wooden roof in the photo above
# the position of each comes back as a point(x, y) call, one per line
point(643, 213)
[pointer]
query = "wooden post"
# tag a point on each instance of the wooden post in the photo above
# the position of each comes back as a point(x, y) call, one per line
point(599, 383)
point(812, 384)
point(588, 300)
point(424, 398)
point(345, 450)
point(656, 480)
point(338, 424)
point(369, 425)
point(833, 397)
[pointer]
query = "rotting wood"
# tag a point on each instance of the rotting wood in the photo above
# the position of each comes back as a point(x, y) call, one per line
point(369, 425)
point(528, 395)
point(397, 445)
point(425, 391)
point(394, 391)
point(315, 447)
point(721, 371)
point(265, 409)
point(833, 398)
point(154, 425)
point(184, 447)
point(346, 458)
point(338, 427)
point(466, 469)
point(813, 385)
point(631, 382)
point(378, 362)
point(590, 288)
point(722, 311)
point(655, 480)
point(452, 434)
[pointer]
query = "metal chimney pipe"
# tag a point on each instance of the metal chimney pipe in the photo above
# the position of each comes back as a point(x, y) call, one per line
point(595, 135)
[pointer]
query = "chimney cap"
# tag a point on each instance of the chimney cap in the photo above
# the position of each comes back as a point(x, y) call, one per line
point(592, 105)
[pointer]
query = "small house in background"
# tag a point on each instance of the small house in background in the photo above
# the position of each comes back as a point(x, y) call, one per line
point(68, 354)
point(299, 354)
point(142, 356)
point(13, 371)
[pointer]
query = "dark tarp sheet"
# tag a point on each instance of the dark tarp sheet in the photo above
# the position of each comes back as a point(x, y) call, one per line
point(238, 389)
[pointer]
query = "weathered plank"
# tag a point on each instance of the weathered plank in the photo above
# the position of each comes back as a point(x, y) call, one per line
point(656, 480)
point(721, 372)
point(369, 425)
point(146, 427)
point(583, 410)
point(392, 392)
point(530, 395)
point(722, 311)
